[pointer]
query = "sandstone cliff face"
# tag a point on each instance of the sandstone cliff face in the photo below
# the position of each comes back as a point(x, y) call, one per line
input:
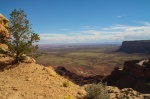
point(4, 24)
point(135, 74)
point(142, 46)
point(4, 33)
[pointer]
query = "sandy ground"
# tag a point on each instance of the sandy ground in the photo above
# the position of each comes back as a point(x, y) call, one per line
point(33, 81)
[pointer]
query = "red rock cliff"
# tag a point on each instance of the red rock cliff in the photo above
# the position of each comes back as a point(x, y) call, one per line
point(135, 74)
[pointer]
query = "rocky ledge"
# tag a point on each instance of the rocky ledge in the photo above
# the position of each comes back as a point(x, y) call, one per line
point(135, 74)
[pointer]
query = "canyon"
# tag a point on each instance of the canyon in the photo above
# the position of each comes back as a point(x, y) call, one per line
point(134, 74)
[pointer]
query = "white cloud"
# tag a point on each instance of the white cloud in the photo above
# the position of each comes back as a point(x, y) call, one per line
point(115, 27)
point(111, 33)
point(119, 16)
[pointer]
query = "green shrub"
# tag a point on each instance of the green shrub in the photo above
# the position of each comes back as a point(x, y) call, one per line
point(65, 84)
point(97, 91)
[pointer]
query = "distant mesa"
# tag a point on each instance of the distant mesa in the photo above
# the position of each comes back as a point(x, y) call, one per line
point(140, 46)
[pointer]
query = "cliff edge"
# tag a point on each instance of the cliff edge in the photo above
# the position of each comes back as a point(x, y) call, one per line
point(135, 74)
point(141, 46)
point(33, 81)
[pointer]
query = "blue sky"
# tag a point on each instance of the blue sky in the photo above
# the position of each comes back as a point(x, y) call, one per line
point(84, 21)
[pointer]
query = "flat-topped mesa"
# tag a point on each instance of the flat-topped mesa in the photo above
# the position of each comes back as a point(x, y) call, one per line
point(139, 46)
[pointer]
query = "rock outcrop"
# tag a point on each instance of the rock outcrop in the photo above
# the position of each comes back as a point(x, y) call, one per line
point(141, 46)
point(126, 93)
point(27, 59)
point(78, 79)
point(4, 24)
point(7, 61)
point(4, 33)
point(135, 74)
point(138, 69)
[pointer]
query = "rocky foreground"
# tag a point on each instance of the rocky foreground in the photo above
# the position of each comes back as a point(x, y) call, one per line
point(33, 81)
point(28, 81)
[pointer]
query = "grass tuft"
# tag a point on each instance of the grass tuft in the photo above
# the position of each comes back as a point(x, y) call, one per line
point(65, 84)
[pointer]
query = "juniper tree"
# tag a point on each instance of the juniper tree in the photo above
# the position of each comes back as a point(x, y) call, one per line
point(22, 36)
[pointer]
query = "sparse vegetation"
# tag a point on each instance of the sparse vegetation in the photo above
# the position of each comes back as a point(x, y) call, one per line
point(93, 56)
point(97, 91)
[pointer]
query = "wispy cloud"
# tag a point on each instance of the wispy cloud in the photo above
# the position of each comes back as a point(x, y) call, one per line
point(119, 16)
point(64, 29)
point(145, 23)
point(110, 33)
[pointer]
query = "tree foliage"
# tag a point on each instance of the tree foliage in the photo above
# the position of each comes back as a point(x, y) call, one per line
point(22, 36)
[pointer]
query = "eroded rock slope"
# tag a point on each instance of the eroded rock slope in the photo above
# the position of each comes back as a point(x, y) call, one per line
point(33, 81)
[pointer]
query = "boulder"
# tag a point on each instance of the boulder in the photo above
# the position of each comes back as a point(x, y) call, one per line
point(27, 59)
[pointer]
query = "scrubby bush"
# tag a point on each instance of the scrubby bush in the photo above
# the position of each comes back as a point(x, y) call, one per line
point(65, 84)
point(97, 91)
